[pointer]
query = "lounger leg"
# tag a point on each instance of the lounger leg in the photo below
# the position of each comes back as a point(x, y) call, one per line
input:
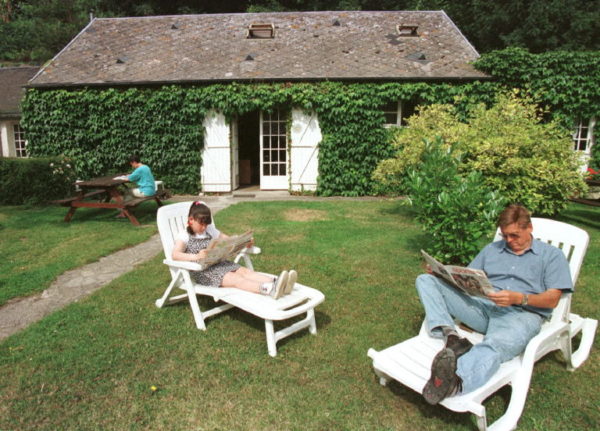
point(310, 314)
point(271, 342)
point(588, 330)
point(481, 422)
point(161, 302)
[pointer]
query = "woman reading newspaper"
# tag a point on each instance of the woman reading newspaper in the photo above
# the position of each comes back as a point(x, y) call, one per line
point(192, 245)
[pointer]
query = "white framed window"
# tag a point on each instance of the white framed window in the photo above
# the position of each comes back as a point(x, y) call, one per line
point(396, 113)
point(583, 135)
point(19, 139)
point(274, 143)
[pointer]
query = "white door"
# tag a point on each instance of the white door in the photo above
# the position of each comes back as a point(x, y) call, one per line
point(235, 164)
point(273, 151)
point(216, 154)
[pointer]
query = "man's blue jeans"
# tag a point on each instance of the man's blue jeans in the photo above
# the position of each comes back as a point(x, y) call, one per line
point(507, 329)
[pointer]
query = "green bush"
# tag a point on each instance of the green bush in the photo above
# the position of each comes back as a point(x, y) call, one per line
point(526, 160)
point(35, 180)
point(457, 211)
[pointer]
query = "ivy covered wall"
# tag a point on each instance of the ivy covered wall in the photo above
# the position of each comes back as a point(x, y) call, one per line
point(100, 127)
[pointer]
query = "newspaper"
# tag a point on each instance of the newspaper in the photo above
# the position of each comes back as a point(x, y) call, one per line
point(222, 249)
point(473, 282)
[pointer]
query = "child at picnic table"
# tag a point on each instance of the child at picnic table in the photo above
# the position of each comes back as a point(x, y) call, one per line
point(191, 246)
point(142, 176)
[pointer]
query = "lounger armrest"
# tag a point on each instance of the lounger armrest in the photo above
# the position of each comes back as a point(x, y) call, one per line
point(538, 346)
point(251, 250)
point(180, 264)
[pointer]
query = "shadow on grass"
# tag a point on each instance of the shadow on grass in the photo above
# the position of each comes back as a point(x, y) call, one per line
point(451, 419)
point(247, 319)
point(581, 215)
point(145, 214)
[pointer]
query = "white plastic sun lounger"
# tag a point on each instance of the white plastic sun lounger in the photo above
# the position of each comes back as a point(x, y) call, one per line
point(172, 219)
point(409, 362)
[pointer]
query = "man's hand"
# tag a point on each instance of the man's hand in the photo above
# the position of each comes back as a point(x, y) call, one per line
point(506, 298)
point(547, 299)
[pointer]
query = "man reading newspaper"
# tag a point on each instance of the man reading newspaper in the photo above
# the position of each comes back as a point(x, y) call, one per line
point(528, 277)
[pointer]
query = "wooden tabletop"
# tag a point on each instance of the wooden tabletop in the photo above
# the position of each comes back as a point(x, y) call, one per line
point(108, 181)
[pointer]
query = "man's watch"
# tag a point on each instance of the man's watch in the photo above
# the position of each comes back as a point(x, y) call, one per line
point(525, 299)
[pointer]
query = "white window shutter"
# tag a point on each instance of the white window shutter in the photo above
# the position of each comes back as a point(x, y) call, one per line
point(305, 136)
point(216, 154)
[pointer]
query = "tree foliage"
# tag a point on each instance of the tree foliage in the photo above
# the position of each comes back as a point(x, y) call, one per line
point(36, 30)
point(528, 161)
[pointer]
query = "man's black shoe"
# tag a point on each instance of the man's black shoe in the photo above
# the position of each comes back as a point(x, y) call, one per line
point(443, 381)
point(459, 345)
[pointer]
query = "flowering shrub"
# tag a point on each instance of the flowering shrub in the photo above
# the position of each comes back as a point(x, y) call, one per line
point(35, 180)
point(593, 175)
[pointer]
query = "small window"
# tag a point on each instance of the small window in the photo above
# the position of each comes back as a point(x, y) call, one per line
point(261, 31)
point(583, 136)
point(396, 113)
point(409, 30)
point(20, 143)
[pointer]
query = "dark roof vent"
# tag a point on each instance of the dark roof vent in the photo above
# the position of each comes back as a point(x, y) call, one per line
point(249, 57)
point(336, 23)
point(407, 29)
point(417, 56)
point(261, 31)
point(121, 60)
point(175, 27)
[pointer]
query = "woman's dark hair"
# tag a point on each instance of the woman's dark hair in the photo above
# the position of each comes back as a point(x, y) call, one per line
point(200, 213)
point(134, 158)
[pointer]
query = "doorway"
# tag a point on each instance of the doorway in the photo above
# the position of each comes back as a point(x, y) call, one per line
point(249, 148)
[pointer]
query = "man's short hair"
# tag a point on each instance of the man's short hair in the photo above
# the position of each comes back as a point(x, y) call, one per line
point(134, 158)
point(514, 213)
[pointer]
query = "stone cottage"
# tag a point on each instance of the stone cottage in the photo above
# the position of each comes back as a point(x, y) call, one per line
point(275, 150)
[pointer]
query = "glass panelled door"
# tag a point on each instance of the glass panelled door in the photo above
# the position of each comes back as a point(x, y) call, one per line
point(273, 151)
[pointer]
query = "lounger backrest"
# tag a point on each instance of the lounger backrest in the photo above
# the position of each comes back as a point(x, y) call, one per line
point(171, 221)
point(572, 241)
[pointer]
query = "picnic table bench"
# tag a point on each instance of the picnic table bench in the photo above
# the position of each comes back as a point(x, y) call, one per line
point(114, 197)
point(592, 202)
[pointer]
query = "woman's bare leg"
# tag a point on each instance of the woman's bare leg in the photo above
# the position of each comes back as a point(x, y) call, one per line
point(233, 279)
point(254, 276)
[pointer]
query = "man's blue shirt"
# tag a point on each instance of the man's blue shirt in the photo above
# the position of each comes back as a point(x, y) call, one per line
point(540, 268)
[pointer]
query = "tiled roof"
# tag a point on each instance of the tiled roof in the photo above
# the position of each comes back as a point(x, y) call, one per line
point(12, 79)
point(306, 46)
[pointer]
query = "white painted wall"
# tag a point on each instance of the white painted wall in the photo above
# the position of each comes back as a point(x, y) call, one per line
point(7, 138)
point(304, 153)
point(215, 173)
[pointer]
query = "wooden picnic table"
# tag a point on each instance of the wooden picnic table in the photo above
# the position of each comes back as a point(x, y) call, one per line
point(111, 196)
point(592, 202)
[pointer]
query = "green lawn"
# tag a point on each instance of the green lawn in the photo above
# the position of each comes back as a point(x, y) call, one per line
point(92, 365)
point(36, 245)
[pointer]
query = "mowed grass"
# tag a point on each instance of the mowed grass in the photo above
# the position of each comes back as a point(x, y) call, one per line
point(93, 365)
point(36, 245)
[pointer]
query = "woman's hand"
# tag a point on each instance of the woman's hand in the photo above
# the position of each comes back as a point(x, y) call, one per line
point(202, 254)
